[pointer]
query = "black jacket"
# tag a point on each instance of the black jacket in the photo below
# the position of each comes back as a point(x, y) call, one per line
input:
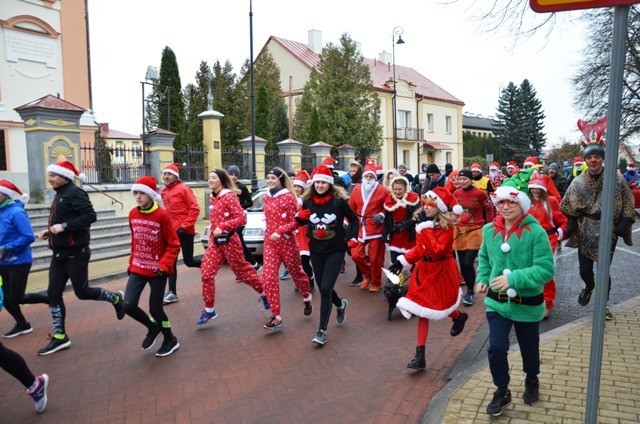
point(244, 197)
point(71, 206)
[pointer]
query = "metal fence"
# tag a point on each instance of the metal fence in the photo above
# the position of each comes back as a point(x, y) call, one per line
point(273, 158)
point(238, 158)
point(104, 164)
point(308, 159)
point(194, 160)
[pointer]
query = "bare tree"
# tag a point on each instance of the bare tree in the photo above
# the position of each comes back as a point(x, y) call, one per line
point(592, 79)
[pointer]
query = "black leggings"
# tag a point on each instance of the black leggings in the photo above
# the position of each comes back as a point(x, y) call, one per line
point(186, 244)
point(308, 269)
point(135, 285)
point(466, 258)
point(586, 270)
point(248, 256)
point(14, 284)
point(327, 268)
point(15, 365)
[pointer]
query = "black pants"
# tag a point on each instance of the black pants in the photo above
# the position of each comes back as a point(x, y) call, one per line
point(586, 269)
point(466, 258)
point(14, 284)
point(186, 244)
point(248, 256)
point(135, 285)
point(326, 268)
point(15, 365)
point(308, 269)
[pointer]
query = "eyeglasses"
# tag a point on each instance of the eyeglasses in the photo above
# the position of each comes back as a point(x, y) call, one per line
point(508, 203)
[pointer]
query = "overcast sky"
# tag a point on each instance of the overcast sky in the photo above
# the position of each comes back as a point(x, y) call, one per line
point(442, 42)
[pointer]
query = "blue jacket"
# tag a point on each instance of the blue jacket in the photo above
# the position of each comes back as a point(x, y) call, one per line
point(16, 234)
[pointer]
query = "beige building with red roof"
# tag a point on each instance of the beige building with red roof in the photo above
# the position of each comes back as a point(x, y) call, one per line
point(43, 51)
point(429, 119)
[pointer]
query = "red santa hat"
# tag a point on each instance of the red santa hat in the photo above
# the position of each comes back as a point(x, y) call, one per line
point(631, 167)
point(301, 179)
point(10, 190)
point(577, 159)
point(495, 166)
point(329, 162)
point(444, 200)
point(65, 169)
point(512, 164)
point(146, 185)
point(370, 169)
point(322, 173)
point(370, 161)
point(537, 181)
point(476, 167)
point(531, 160)
point(173, 168)
point(379, 170)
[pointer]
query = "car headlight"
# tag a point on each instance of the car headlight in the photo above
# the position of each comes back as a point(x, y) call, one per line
point(253, 232)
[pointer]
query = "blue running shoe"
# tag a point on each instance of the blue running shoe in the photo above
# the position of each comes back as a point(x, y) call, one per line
point(285, 274)
point(39, 393)
point(206, 316)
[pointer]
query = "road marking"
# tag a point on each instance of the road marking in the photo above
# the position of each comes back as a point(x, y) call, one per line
point(622, 249)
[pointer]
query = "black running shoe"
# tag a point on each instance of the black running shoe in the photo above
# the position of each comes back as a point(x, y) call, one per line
point(458, 324)
point(119, 305)
point(531, 392)
point(18, 329)
point(308, 307)
point(168, 347)
point(341, 315)
point(501, 400)
point(585, 296)
point(55, 345)
point(150, 339)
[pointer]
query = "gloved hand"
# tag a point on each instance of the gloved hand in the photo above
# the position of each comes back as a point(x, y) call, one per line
point(378, 218)
point(352, 243)
point(182, 231)
point(571, 225)
point(304, 214)
point(398, 227)
point(396, 267)
point(160, 272)
point(621, 229)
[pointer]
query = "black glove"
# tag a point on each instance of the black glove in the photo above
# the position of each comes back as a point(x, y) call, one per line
point(160, 273)
point(378, 219)
point(621, 229)
point(182, 231)
point(396, 267)
point(571, 225)
point(398, 227)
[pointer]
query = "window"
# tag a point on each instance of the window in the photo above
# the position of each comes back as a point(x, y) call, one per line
point(119, 153)
point(429, 122)
point(448, 156)
point(3, 151)
point(137, 150)
point(447, 124)
point(403, 118)
point(405, 157)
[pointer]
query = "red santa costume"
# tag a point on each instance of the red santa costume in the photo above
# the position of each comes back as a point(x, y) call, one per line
point(551, 188)
point(495, 175)
point(512, 168)
point(399, 217)
point(434, 289)
point(280, 208)
point(367, 201)
point(300, 180)
point(226, 214)
point(548, 214)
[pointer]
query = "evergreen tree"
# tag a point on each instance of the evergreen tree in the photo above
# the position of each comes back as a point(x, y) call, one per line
point(196, 103)
point(169, 90)
point(341, 91)
point(263, 118)
point(474, 145)
point(532, 119)
point(280, 123)
point(508, 129)
point(227, 102)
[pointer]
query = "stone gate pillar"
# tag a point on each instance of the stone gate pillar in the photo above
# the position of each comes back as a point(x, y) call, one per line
point(261, 143)
point(322, 151)
point(212, 137)
point(159, 150)
point(346, 155)
point(292, 150)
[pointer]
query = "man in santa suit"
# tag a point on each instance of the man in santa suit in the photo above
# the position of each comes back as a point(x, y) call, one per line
point(367, 201)
point(495, 174)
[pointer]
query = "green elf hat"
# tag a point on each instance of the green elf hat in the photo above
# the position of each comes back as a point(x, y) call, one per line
point(520, 180)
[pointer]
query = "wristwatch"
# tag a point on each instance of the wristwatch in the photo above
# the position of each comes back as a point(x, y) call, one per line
point(64, 225)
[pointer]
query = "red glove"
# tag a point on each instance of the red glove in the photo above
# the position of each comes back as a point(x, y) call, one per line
point(352, 243)
point(304, 214)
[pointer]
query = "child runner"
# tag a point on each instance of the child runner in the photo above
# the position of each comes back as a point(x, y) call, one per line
point(515, 262)
point(154, 248)
point(325, 209)
point(224, 243)
point(434, 290)
point(399, 226)
point(281, 245)
point(299, 186)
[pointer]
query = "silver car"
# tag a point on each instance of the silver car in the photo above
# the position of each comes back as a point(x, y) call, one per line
point(254, 230)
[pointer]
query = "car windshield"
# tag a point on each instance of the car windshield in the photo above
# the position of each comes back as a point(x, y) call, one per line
point(258, 202)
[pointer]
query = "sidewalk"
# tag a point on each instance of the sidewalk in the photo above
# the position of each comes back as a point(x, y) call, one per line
point(564, 355)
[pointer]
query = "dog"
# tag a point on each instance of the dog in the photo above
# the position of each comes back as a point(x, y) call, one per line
point(393, 292)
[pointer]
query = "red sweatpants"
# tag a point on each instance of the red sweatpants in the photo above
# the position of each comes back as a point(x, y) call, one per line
point(372, 271)
point(212, 260)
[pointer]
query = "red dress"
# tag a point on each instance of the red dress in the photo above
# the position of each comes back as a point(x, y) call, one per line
point(434, 287)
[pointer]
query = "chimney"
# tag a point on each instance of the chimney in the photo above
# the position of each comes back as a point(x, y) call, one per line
point(104, 127)
point(315, 40)
point(385, 57)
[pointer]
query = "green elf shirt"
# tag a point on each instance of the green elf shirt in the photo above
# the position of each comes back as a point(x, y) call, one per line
point(525, 254)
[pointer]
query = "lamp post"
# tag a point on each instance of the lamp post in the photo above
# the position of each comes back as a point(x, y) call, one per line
point(396, 31)
point(163, 96)
point(254, 178)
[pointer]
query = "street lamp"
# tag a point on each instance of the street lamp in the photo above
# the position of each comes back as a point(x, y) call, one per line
point(254, 178)
point(396, 31)
point(162, 96)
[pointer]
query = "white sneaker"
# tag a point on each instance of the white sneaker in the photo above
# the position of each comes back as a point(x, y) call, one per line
point(170, 298)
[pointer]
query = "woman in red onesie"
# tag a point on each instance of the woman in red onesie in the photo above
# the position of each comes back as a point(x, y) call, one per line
point(477, 211)
point(226, 216)
point(546, 209)
point(434, 292)
point(399, 226)
point(281, 245)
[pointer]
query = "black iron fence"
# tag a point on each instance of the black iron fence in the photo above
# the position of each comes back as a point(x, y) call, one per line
point(194, 163)
point(238, 158)
point(105, 164)
point(273, 158)
point(308, 159)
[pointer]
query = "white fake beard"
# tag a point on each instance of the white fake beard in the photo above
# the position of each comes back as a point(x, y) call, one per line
point(368, 184)
point(493, 173)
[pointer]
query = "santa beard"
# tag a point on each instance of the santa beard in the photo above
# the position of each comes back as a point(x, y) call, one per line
point(368, 185)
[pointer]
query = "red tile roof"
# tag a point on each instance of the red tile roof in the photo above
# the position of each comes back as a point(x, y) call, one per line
point(381, 73)
point(111, 133)
point(51, 102)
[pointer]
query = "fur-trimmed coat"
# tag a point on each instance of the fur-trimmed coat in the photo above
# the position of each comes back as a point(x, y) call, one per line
point(583, 201)
point(399, 226)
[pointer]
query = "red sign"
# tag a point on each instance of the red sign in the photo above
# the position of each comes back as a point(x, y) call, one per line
point(542, 6)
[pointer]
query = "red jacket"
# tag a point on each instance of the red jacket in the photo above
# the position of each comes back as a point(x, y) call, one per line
point(366, 208)
point(154, 243)
point(182, 206)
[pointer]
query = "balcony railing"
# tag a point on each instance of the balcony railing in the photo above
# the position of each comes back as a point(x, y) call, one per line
point(412, 134)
